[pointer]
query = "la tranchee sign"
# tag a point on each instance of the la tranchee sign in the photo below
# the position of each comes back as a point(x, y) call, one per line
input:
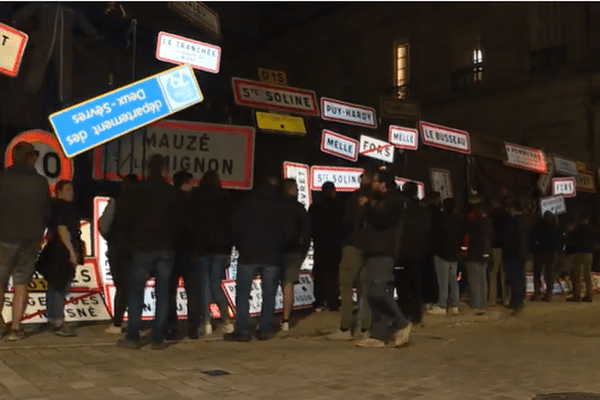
point(179, 50)
point(338, 145)
point(445, 138)
point(347, 113)
point(259, 95)
point(525, 158)
point(404, 138)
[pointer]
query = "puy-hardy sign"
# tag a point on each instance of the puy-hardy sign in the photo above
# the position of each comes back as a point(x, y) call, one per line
point(179, 50)
point(345, 179)
point(445, 138)
point(259, 95)
point(347, 113)
point(377, 149)
point(404, 138)
point(525, 158)
point(89, 124)
point(564, 186)
point(338, 145)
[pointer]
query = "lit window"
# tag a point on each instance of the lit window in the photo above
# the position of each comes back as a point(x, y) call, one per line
point(477, 66)
point(402, 73)
point(477, 56)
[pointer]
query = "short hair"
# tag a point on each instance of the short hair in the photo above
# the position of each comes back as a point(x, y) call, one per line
point(288, 184)
point(180, 178)
point(21, 151)
point(448, 204)
point(386, 177)
point(156, 165)
point(211, 179)
point(60, 185)
point(328, 186)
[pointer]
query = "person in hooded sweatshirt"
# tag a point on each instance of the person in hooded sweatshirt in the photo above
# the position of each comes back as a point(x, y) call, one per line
point(585, 240)
point(545, 245)
point(260, 235)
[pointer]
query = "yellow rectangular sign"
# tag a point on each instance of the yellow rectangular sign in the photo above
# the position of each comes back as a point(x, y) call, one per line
point(272, 77)
point(280, 123)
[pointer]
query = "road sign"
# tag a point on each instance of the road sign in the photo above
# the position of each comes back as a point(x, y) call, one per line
point(404, 138)
point(280, 123)
point(441, 182)
point(445, 138)
point(564, 166)
point(338, 145)
point(179, 50)
point(272, 77)
point(554, 204)
point(564, 186)
point(345, 179)
point(420, 186)
point(192, 146)
point(399, 108)
point(198, 14)
point(12, 47)
point(259, 95)
point(585, 182)
point(89, 124)
point(377, 149)
point(347, 113)
point(51, 163)
point(301, 173)
point(525, 158)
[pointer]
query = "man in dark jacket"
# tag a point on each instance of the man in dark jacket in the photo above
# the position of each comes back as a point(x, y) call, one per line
point(447, 241)
point(298, 223)
point(546, 242)
point(24, 214)
point(514, 254)
point(154, 219)
point(260, 235)
point(478, 242)
point(381, 246)
point(499, 216)
point(584, 239)
point(352, 265)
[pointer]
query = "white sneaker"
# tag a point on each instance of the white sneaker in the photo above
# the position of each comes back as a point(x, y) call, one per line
point(454, 311)
point(402, 336)
point(370, 342)
point(228, 327)
point(208, 330)
point(340, 335)
point(285, 326)
point(114, 330)
point(435, 310)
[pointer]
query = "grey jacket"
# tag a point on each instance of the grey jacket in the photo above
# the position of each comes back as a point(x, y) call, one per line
point(24, 204)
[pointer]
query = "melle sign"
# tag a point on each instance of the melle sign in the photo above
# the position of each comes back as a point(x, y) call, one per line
point(87, 125)
point(565, 167)
point(445, 138)
point(525, 158)
point(420, 186)
point(273, 122)
point(345, 179)
point(255, 94)
point(301, 173)
point(554, 204)
point(377, 149)
point(347, 113)
point(338, 145)
point(12, 47)
point(564, 186)
point(179, 50)
point(404, 138)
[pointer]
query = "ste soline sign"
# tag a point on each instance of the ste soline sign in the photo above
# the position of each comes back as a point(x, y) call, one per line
point(84, 126)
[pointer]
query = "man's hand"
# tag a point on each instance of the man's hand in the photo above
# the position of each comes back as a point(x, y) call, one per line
point(362, 200)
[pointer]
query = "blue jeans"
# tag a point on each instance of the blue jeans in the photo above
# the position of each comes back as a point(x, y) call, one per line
point(515, 276)
point(187, 266)
point(270, 276)
point(213, 272)
point(159, 264)
point(477, 272)
point(446, 277)
point(55, 303)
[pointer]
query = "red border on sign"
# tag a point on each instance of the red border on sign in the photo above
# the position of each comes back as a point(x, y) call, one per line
point(39, 136)
point(300, 166)
point(405, 130)
point(194, 66)
point(339, 169)
point(584, 189)
point(444, 128)
point(239, 101)
point(342, 138)
point(344, 121)
point(15, 69)
point(236, 130)
point(558, 180)
point(539, 171)
point(420, 184)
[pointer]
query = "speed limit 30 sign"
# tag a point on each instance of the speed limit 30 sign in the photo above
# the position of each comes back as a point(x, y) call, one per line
point(51, 163)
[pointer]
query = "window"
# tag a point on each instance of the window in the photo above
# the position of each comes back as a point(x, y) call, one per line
point(477, 66)
point(402, 71)
point(465, 78)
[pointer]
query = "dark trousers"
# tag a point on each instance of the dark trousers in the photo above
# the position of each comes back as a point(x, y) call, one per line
point(544, 261)
point(119, 259)
point(186, 266)
point(429, 285)
point(270, 276)
point(384, 309)
point(515, 277)
point(326, 279)
point(409, 286)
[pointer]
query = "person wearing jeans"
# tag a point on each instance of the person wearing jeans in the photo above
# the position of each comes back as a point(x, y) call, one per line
point(213, 272)
point(446, 272)
point(584, 241)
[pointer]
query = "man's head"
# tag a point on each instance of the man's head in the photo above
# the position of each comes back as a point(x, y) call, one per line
point(128, 181)
point(184, 181)
point(289, 187)
point(411, 190)
point(329, 190)
point(211, 179)
point(24, 153)
point(64, 190)
point(366, 178)
point(449, 205)
point(383, 181)
point(157, 166)
point(549, 216)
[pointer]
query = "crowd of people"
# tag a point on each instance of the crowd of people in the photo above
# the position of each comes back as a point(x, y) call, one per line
point(381, 240)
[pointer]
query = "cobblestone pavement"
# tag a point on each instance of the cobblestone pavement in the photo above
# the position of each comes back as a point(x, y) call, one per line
point(549, 348)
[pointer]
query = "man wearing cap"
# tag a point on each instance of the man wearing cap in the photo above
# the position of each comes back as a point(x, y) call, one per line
point(24, 213)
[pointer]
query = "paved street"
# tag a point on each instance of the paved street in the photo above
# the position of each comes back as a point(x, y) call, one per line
point(550, 348)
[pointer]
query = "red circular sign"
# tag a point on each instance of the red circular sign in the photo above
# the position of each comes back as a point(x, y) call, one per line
point(52, 162)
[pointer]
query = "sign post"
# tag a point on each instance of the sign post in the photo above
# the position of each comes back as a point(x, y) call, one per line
point(347, 113)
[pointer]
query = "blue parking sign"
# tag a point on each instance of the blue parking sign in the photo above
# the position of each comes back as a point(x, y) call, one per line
point(84, 126)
